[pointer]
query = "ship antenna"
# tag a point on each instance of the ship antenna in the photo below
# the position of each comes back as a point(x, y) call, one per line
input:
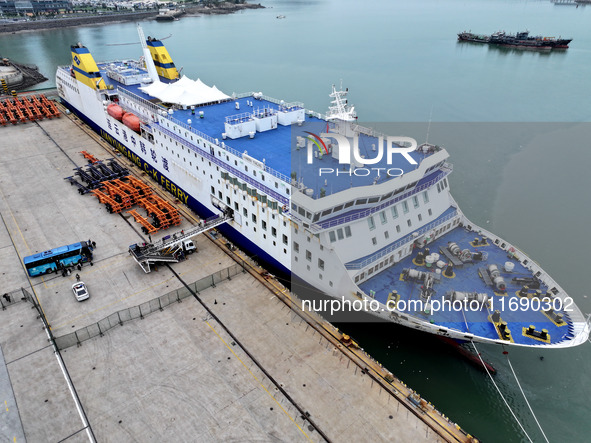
point(429, 125)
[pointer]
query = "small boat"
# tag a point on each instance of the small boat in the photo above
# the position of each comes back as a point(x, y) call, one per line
point(521, 40)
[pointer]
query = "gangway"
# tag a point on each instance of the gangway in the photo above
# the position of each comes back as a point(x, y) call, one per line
point(170, 248)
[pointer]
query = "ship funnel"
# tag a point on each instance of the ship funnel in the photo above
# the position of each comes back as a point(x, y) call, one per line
point(159, 57)
point(85, 69)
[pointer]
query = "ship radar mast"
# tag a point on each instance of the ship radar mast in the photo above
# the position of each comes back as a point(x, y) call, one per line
point(339, 108)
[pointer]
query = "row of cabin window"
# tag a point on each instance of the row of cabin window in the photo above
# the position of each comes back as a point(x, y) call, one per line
point(254, 172)
point(442, 185)
point(71, 86)
point(320, 263)
point(363, 201)
point(284, 237)
point(370, 271)
point(408, 222)
point(236, 206)
point(339, 234)
point(191, 163)
point(390, 260)
point(394, 210)
point(296, 249)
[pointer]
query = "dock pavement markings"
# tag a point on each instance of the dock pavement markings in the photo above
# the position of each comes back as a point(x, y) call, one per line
point(100, 308)
point(258, 381)
point(10, 421)
point(94, 269)
point(20, 233)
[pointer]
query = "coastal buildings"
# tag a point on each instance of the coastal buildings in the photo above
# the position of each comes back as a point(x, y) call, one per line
point(14, 7)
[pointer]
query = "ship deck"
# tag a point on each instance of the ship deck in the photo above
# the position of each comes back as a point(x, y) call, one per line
point(277, 147)
point(333, 181)
point(467, 279)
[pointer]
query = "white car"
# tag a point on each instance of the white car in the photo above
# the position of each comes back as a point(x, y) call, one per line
point(80, 291)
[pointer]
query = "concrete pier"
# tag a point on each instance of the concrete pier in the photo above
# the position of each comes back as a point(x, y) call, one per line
point(238, 361)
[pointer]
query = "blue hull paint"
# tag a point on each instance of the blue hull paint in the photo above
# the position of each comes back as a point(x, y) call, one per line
point(230, 233)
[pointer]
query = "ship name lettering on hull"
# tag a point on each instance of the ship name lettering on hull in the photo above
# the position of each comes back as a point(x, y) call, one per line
point(170, 187)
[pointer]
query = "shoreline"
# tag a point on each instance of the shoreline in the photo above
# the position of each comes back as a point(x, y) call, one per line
point(43, 25)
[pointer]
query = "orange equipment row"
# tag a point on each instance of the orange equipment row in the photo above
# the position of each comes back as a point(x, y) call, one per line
point(32, 107)
point(146, 225)
point(117, 194)
point(121, 194)
point(142, 187)
point(112, 205)
point(164, 215)
point(91, 158)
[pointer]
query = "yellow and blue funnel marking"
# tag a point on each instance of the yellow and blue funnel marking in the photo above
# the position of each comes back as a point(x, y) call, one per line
point(164, 65)
point(85, 68)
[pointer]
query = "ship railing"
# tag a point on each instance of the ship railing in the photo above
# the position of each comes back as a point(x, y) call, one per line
point(227, 148)
point(281, 103)
point(576, 315)
point(278, 174)
point(290, 106)
point(242, 95)
point(370, 211)
point(239, 118)
point(139, 100)
point(267, 98)
point(403, 241)
point(370, 132)
point(211, 157)
point(318, 115)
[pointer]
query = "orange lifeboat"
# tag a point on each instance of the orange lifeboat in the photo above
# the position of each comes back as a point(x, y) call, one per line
point(132, 121)
point(115, 111)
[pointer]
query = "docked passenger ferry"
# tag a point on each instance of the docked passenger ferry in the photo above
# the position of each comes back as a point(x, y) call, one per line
point(363, 218)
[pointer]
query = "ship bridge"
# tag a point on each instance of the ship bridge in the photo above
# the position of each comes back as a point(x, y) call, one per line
point(325, 175)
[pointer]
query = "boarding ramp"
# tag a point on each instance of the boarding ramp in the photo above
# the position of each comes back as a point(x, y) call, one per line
point(170, 248)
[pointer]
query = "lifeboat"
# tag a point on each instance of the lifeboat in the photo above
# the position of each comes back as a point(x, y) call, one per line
point(115, 111)
point(132, 121)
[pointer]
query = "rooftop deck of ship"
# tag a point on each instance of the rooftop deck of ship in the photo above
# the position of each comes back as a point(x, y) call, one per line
point(277, 147)
point(518, 312)
point(337, 177)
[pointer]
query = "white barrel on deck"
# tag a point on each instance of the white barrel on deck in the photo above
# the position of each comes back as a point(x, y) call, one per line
point(435, 256)
point(509, 266)
point(429, 260)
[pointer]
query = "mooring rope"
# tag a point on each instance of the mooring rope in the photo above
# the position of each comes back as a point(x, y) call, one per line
point(525, 398)
point(501, 394)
